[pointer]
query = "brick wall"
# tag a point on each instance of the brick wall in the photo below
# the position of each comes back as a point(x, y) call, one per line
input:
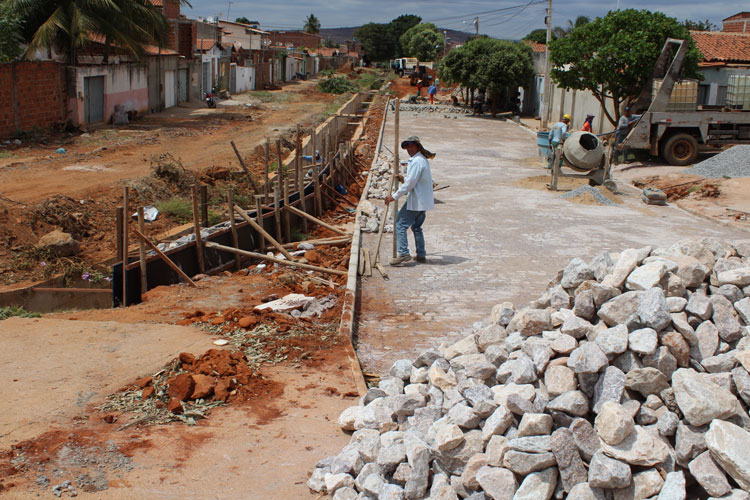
point(736, 26)
point(40, 91)
point(171, 9)
point(188, 33)
point(296, 38)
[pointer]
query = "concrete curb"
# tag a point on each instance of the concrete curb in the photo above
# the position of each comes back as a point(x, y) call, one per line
point(349, 307)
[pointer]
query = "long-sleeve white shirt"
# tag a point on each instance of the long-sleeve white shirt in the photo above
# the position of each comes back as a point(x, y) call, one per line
point(417, 184)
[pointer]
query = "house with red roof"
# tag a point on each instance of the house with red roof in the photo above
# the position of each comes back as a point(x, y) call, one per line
point(724, 54)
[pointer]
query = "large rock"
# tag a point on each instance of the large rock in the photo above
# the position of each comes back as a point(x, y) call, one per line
point(729, 446)
point(739, 277)
point(61, 243)
point(572, 470)
point(643, 341)
point(641, 447)
point(646, 380)
point(645, 484)
point(625, 264)
point(616, 311)
point(674, 487)
point(613, 341)
point(614, 423)
point(523, 463)
point(573, 403)
point(497, 482)
point(530, 322)
point(538, 485)
point(689, 442)
point(653, 309)
point(586, 439)
point(709, 475)
point(701, 400)
point(606, 472)
point(559, 379)
point(708, 341)
point(646, 276)
point(575, 273)
point(588, 358)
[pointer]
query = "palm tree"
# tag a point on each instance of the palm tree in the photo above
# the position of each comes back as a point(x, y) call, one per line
point(71, 24)
point(560, 32)
point(312, 24)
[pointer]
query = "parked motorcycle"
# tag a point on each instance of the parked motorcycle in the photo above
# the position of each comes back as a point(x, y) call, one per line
point(210, 102)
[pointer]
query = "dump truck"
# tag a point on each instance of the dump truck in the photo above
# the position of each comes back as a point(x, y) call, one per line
point(677, 136)
point(405, 66)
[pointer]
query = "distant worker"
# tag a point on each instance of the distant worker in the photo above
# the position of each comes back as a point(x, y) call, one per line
point(624, 124)
point(588, 123)
point(478, 103)
point(557, 136)
point(418, 185)
point(419, 87)
point(432, 90)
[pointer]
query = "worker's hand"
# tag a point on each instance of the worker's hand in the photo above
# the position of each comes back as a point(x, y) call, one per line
point(400, 178)
point(389, 199)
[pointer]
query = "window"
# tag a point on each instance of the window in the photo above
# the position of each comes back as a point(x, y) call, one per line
point(721, 95)
point(703, 91)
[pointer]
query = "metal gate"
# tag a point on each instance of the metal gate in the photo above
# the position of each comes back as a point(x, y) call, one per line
point(206, 74)
point(233, 79)
point(183, 76)
point(93, 99)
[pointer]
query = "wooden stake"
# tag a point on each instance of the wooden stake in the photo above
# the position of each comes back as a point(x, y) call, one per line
point(118, 233)
point(166, 259)
point(333, 240)
point(263, 232)
point(361, 266)
point(368, 264)
point(233, 224)
point(265, 172)
point(316, 221)
point(197, 228)
point(277, 261)
point(316, 176)
point(142, 254)
point(259, 216)
point(287, 221)
point(276, 212)
point(125, 218)
point(203, 190)
point(280, 166)
point(300, 177)
point(244, 167)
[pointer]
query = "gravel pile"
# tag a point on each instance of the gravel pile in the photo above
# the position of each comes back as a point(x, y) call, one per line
point(581, 191)
point(734, 162)
point(433, 108)
point(627, 379)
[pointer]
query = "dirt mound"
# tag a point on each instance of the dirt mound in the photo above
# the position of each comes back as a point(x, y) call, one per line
point(682, 188)
point(64, 212)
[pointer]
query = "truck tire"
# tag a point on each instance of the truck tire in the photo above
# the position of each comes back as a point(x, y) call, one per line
point(680, 150)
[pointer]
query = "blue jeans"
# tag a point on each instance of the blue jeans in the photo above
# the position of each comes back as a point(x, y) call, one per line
point(619, 138)
point(410, 219)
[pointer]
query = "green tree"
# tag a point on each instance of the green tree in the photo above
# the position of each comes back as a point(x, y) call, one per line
point(613, 57)
point(422, 41)
point(312, 24)
point(562, 32)
point(398, 27)
point(242, 20)
point(70, 24)
point(538, 36)
point(700, 25)
point(376, 40)
point(10, 34)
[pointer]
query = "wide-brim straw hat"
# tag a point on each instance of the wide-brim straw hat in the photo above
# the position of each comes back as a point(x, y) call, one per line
point(415, 140)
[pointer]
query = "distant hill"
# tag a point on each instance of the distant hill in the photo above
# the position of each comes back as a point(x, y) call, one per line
point(341, 35)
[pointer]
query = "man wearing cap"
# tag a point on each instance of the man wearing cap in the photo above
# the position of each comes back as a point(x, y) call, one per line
point(588, 123)
point(557, 136)
point(418, 185)
point(621, 132)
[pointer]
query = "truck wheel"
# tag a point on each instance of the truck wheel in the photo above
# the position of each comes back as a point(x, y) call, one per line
point(680, 150)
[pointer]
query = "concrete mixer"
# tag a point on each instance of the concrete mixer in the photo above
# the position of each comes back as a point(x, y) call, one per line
point(583, 152)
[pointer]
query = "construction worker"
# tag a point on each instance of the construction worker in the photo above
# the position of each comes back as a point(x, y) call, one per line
point(587, 124)
point(431, 91)
point(418, 185)
point(624, 124)
point(557, 137)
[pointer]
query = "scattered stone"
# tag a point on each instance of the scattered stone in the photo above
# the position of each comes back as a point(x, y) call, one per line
point(729, 445)
point(701, 400)
point(614, 423)
point(605, 472)
point(709, 475)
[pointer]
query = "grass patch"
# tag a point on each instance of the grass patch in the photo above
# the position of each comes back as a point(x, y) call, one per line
point(181, 211)
point(7, 312)
point(368, 81)
point(267, 96)
point(695, 188)
point(6, 154)
point(298, 235)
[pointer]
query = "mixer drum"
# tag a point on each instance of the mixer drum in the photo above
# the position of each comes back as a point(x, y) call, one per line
point(583, 151)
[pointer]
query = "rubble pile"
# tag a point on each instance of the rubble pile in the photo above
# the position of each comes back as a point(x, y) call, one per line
point(380, 180)
point(627, 379)
point(434, 108)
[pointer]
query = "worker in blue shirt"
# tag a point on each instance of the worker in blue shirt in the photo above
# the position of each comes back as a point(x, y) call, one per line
point(557, 137)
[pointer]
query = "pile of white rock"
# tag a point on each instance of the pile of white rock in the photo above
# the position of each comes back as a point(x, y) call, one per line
point(380, 175)
point(627, 379)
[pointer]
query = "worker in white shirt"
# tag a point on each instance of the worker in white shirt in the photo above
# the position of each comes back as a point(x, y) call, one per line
point(418, 185)
point(557, 137)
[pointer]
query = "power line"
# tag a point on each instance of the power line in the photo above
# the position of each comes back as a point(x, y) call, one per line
point(463, 16)
point(516, 14)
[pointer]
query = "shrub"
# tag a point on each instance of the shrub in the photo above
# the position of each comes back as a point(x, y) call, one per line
point(336, 85)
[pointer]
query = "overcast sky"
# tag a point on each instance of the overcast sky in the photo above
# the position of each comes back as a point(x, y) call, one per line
point(518, 18)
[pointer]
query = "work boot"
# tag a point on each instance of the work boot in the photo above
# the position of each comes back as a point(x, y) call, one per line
point(420, 258)
point(400, 260)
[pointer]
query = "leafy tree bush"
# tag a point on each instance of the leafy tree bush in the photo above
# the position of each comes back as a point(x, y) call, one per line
point(538, 36)
point(336, 85)
point(381, 41)
point(613, 57)
point(10, 34)
point(422, 41)
point(312, 24)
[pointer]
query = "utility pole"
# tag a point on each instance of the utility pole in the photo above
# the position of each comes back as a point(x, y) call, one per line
point(547, 67)
point(229, 6)
point(445, 41)
point(476, 26)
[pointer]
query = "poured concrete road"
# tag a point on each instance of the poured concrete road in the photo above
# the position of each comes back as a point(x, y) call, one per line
point(491, 241)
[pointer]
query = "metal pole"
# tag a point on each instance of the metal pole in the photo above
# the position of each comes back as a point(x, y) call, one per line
point(547, 67)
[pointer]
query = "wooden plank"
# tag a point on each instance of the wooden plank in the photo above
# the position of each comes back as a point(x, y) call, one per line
point(316, 221)
point(71, 290)
point(244, 167)
point(276, 212)
point(203, 190)
point(233, 225)
point(197, 231)
point(277, 261)
point(265, 171)
point(259, 216)
point(334, 240)
point(125, 218)
point(166, 259)
point(287, 220)
point(380, 268)
point(300, 185)
point(118, 233)
point(368, 263)
point(316, 176)
point(263, 232)
point(361, 262)
point(142, 253)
